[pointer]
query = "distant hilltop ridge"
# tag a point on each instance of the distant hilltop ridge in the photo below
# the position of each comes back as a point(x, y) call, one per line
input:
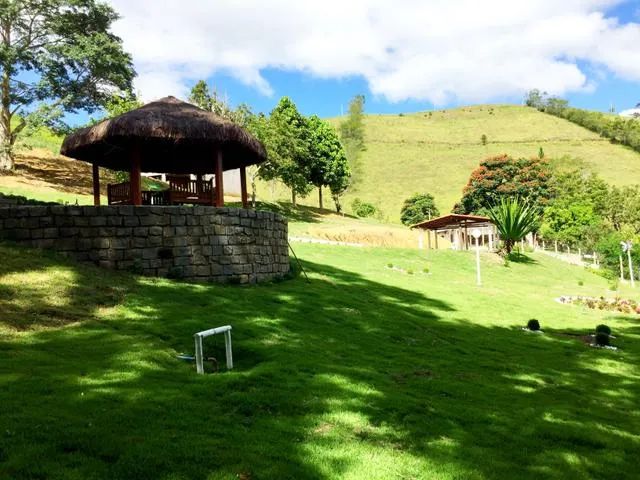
point(632, 112)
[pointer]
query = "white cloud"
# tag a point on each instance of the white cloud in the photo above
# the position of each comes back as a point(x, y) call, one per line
point(435, 50)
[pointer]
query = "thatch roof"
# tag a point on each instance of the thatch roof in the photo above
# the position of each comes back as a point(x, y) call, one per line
point(172, 137)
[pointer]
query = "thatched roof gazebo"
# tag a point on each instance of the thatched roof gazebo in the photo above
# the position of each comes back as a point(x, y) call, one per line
point(168, 136)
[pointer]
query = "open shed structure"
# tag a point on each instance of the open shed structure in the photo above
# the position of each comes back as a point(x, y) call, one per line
point(171, 137)
point(456, 229)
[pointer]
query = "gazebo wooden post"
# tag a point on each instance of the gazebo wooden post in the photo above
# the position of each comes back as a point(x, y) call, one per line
point(243, 187)
point(134, 177)
point(428, 239)
point(219, 180)
point(435, 235)
point(96, 184)
point(466, 237)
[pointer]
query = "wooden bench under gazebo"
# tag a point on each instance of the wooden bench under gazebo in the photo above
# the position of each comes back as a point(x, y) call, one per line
point(172, 137)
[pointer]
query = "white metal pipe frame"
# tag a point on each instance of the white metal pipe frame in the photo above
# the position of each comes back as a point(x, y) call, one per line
point(226, 329)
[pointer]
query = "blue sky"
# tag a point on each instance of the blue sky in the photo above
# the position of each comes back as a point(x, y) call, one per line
point(403, 55)
point(329, 97)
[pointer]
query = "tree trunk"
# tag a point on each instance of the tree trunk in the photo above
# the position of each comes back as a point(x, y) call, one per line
point(293, 197)
point(336, 201)
point(6, 140)
point(6, 157)
point(508, 245)
point(320, 196)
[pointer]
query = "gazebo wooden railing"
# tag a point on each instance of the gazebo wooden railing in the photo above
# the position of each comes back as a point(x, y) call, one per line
point(182, 190)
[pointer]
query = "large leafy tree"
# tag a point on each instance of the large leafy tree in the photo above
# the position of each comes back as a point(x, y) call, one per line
point(573, 224)
point(503, 176)
point(578, 209)
point(56, 56)
point(286, 138)
point(419, 207)
point(328, 166)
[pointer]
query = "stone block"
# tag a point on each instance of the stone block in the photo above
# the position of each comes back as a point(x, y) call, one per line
point(132, 221)
point(69, 231)
point(63, 221)
point(98, 221)
point(124, 231)
point(120, 242)
point(139, 242)
point(182, 261)
point(101, 243)
point(203, 270)
point(66, 244)
point(149, 253)
point(154, 241)
point(51, 232)
point(178, 220)
point(148, 221)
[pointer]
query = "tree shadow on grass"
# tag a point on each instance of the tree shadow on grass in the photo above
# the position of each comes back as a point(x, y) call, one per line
point(41, 289)
point(517, 257)
point(342, 376)
point(299, 213)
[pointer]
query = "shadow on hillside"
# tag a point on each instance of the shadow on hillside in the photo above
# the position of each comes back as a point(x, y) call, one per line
point(300, 213)
point(66, 175)
point(333, 376)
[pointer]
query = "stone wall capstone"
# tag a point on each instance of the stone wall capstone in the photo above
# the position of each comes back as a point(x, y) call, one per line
point(198, 243)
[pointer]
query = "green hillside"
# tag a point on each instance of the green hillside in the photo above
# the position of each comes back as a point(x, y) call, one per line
point(419, 152)
point(435, 152)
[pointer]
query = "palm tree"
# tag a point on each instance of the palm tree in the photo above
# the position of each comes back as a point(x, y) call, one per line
point(515, 219)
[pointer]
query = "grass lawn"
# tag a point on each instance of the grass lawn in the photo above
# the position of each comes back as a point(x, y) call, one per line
point(363, 373)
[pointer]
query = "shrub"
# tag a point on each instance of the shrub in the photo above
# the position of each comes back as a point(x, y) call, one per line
point(602, 328)
point(390, 265)
point(362, 209)
point(425, 270)
point(602, 339)
point(533, 325)
point(410, 272)
point(483, 139)
point(514, 219)
point(580, 283)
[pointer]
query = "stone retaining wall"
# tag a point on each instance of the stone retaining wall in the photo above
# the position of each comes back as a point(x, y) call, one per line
point(193, 243)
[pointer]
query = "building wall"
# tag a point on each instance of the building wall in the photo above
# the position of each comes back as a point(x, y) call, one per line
point(199, 243)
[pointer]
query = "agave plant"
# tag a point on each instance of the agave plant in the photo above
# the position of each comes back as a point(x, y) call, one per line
point(515, 219)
